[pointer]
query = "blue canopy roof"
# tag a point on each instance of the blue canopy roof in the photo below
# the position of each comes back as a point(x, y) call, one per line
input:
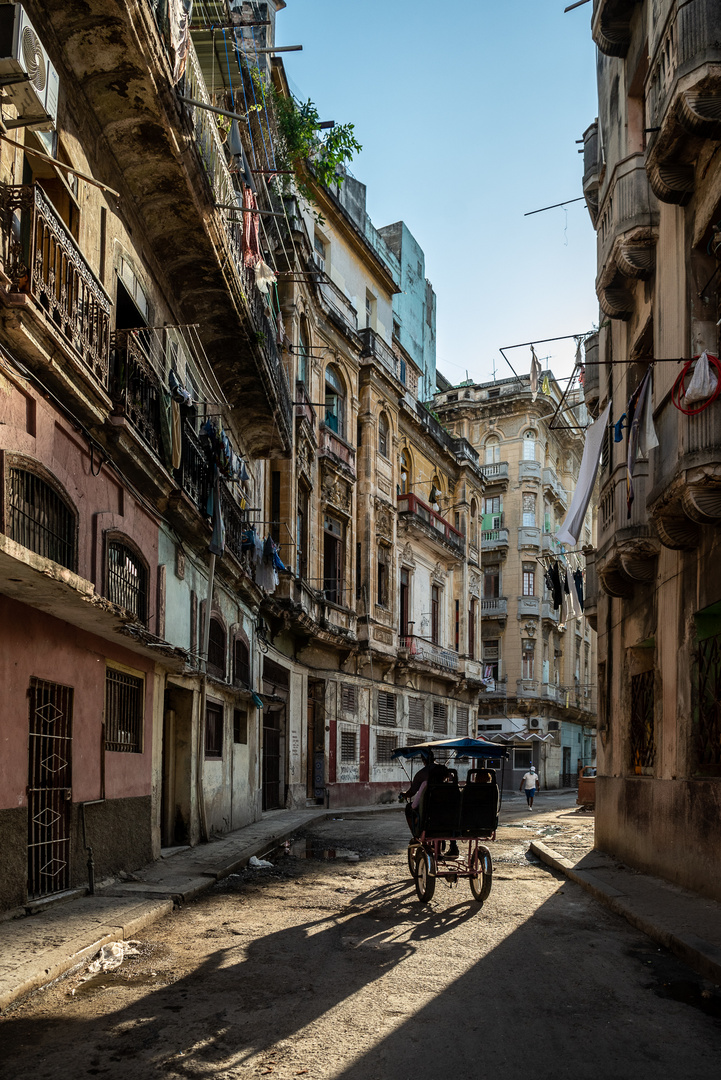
point(462, 747)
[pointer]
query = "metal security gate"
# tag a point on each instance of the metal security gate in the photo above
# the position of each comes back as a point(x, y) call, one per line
point(49, 787)
point(271, 761)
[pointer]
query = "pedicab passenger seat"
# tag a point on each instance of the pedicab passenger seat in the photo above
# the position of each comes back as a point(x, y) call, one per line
point(479, 805)
point(441, 808)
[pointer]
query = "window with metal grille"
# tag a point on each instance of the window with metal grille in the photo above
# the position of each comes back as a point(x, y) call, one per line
point(386, 708)
point(642, 725)
point(240, 725)
point(216, 648)
point(349, 698)
point(348, 740)
point(462, 721)
point(127, 580)
point(241, 663)
point(40, 520)
point(124, 711)
point(708, 727)
point(385, 745)
point(213, 730)
point(522, 757)
point(440, 718)
point(415, 714)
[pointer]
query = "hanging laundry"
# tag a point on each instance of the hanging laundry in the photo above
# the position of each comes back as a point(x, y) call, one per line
point(264, 277)
point(277, 561)
point(576, 609)
point(636, 409)
point(535, 374)
point(179, 15)
point(546, 386)
point(553, 581)
point(573, 522)
point(177, 390)
point(176, 428)
point(280, 331)
point(650, 438)
point(166, 428)
point(251, 225)
point(578, 582)
point(618, 429)
point(217, 540)
point(703, 381)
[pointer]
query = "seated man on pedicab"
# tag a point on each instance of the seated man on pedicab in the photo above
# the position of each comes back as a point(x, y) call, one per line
point(432, 772)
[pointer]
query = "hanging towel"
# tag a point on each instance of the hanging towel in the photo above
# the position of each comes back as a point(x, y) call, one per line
point(546, 386)
point(535, 374)
point(264, 277)
point(177, 433)
point(217, 540)
point(576, 609)
point(636, 409)
point(573, 522)
point(179, 15)
point(251, 224)
point(578, 582)
point(618, 429)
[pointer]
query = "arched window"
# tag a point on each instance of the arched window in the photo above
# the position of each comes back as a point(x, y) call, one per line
point(216, 648)
point(406, 474)
point(334, 402)
point(241, 662)
point(40, 519)
point(493, 450)
point(383, 434)
point(127, 579)
point(303, 351)
point(529, 445)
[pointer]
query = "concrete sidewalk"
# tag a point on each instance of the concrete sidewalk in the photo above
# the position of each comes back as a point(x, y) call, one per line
point(685, 923)
point(39, 948)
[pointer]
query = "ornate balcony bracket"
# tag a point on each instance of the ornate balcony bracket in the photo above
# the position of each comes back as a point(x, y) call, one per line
point(611, 26)
point(615, 300)
point(700, 114)
point(676, 531)
point(636, 254)
point(638, 559)
point(702, 503)
point(669, 182)
point(614, 581)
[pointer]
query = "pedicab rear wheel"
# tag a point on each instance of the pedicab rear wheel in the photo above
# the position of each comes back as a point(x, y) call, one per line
point(482, 878)
point(424, 875)
point(413, 848)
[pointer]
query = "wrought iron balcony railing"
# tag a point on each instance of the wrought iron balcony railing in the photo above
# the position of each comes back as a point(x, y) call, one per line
point(425, 649)
point(411, 506)
point(42, 259)
point(375, 346)
point(135, 386)
point(194, 473)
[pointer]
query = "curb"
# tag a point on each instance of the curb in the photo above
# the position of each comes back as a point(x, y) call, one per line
point(703, 956)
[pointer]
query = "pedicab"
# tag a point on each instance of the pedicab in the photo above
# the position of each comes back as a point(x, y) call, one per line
point(449, 820)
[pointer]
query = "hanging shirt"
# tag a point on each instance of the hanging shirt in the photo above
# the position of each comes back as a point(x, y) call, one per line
point(578, 582)
point(576, 609)
point(618, 429)
point(553, 580)
point(573, 521)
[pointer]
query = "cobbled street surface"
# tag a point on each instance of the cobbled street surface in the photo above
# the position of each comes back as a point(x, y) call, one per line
point(327, 966)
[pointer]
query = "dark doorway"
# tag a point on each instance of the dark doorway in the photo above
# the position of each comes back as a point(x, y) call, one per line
point(49, 787)
point(566, 776)
point(177, 754)
point(315, 767)
point(272, 722)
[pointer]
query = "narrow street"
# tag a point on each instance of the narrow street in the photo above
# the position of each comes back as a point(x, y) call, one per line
point(327, 966)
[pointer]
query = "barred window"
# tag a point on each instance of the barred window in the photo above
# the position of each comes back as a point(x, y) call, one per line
point(349, 698)
point(415, 713)
point(385, 745)
point(386, 709)
point(462, 721)
point(241, 663)
point(216, 649)
point(213, 730)
point(348, 741)
point(127, 580)
point(642, 723)
point(124, 711)
point(40, 520)
point(440, 718)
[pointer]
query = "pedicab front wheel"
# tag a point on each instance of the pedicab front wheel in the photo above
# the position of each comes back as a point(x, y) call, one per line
point(424, 876)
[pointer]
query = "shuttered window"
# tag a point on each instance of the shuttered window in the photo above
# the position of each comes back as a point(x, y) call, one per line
point(415, 713)
point(462, 721)
point(385, 745)
point(349, 698)
point(440, 718)
point(386, 709)
point(348, 740)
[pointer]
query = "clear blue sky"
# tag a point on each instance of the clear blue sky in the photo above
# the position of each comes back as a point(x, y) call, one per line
point(468, 116)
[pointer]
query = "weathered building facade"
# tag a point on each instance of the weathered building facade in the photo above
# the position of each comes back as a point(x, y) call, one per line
point(541, 697)
point(653, 184)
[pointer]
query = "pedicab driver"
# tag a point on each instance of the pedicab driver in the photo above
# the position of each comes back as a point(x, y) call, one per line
point(430, 770)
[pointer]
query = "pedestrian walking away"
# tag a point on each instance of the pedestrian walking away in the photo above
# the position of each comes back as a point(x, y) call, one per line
point(530, 785)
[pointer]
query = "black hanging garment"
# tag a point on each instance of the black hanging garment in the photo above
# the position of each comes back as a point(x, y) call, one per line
point(578, 582)
point(553, 580)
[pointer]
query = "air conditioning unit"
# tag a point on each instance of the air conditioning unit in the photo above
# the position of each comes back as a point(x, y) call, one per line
point(535, 722)
point(29, 80)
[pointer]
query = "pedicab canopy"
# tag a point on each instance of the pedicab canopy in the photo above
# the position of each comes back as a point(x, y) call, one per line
point(461, 747)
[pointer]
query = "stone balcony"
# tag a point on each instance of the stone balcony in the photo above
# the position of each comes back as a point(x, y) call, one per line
point(528, 605)
point(611, 25)
point(683, 95)
point(626, 235)
point(592, 372)
point(412, 647)
point(628, 546)
point(375, 348)
point(494, 607)
point(526, 688)
point(528, 537)
point(337, 452)
point(549, 692)
point(549, 612)
point(529, 470)
point(496, 473)
point(419, 516)
point(494, 540)
point(591, 169)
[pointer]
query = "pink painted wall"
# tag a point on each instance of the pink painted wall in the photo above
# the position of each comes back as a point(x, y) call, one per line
point(32, 643)
point(34, 428)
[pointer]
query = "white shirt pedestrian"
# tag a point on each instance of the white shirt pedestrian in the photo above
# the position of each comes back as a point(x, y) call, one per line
point(530, 784)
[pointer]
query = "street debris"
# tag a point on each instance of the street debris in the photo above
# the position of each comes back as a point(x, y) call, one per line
point(109, 958)
point(259, 864)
